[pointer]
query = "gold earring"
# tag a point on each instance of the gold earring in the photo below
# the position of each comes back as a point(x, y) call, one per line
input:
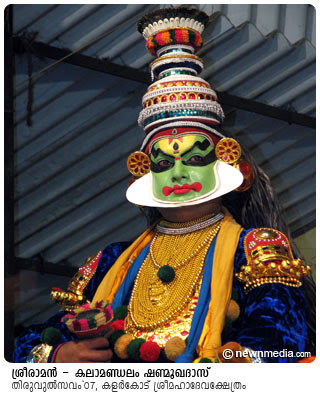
point(228, 150)
point(245, 168)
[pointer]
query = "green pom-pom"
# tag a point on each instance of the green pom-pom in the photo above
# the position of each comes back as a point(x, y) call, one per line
point(166, 274)
point(205, 360)
point(115, 336)
point(120, 312)
point(50, 336)
point(133, 349)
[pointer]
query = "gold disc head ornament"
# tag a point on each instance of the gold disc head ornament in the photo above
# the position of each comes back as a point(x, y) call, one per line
point(138, 164)
point(228, 150)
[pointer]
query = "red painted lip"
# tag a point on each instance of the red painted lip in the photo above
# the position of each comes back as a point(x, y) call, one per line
point(185, 188)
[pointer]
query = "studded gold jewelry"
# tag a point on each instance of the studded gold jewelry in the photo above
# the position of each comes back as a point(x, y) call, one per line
point(39, 354)
point(73, 297)
point(245, 167)
point(171, 224)
point(154, 303)
point(228, 150)
point(138, 164)
point(270, 260)
point(170, 228)
point(286, 272)
point(179, 326)
point(207, 240)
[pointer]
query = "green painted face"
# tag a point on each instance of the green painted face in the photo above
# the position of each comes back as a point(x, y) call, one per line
point(182, 168)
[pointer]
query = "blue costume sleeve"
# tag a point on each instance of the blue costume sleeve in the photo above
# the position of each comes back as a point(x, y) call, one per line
point(31, 337)
point(272, 317)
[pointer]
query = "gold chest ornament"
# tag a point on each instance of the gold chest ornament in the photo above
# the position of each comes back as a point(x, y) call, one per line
point(157, 310)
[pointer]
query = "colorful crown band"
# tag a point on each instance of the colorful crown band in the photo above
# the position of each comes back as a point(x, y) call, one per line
point(174, 36)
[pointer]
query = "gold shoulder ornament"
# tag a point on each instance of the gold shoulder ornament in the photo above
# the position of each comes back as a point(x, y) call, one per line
point(270, 260)
point(73, 297)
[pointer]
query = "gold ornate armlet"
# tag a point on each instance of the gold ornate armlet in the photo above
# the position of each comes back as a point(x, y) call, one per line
point(39, 354)
point(73, 297)
point(270, 260)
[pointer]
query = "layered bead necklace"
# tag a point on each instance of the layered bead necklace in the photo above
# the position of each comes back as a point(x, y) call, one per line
point(158, 298)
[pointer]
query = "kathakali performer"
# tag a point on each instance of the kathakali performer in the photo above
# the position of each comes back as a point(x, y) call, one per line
point(214, 270)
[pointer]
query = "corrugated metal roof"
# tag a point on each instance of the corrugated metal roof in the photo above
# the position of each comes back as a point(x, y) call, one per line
point(71, 172)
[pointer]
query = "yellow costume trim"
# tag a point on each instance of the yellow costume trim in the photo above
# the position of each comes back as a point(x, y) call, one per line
point(113, 279)
point(221, 283)
point(221, 287)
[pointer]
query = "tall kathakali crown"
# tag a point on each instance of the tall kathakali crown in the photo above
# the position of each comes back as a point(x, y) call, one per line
point(179, 102)
point(178, 98)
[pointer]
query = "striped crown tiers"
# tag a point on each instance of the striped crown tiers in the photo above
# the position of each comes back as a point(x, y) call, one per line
point(177, 94)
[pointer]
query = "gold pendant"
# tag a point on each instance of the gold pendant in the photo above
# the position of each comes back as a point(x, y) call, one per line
point(157, 290)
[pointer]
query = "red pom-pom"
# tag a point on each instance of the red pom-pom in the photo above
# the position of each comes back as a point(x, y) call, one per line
point(117, 324)
point(150, 351)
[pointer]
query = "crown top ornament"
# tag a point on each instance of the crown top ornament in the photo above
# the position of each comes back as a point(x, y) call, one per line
point(168, 18)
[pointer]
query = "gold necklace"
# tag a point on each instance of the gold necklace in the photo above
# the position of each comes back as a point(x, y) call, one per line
point(154, 303)
point(207, 240)
point(179, 326)
point(171, 228)
point(172, 224)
